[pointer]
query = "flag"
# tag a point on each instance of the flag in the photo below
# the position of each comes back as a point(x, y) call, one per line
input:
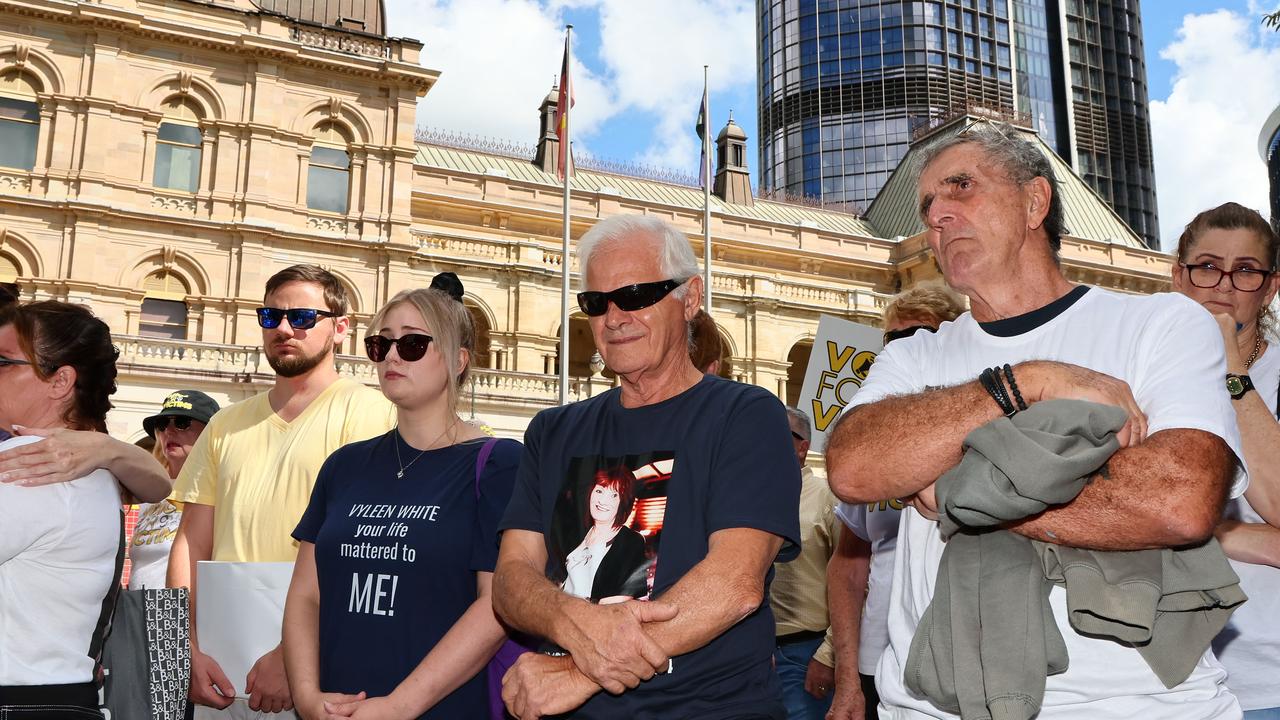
point(701, 129)
point(563, 104)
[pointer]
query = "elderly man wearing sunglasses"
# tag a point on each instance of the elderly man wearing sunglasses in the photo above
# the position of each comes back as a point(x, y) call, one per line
point(717, 487)
point(249, 477)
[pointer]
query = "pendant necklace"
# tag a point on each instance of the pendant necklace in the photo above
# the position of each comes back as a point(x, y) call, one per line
point(399, 438)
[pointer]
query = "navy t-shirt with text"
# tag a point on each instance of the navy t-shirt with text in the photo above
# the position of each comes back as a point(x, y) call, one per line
point(396, 559)
point(715, 457)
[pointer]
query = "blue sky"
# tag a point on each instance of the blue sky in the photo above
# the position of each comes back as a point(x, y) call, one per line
point(1211, 71)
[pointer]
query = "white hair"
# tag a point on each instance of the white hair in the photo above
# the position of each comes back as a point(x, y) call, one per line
point(675, 256)
point(799, 422)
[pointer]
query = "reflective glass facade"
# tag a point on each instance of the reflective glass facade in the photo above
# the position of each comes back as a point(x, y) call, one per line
point(844, 84)
point(1273, 173)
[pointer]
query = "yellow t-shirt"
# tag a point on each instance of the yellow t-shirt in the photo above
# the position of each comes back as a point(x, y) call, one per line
point(257, 471)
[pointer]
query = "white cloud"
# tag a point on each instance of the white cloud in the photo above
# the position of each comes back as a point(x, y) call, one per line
point(497, 61)
point(1205, 134)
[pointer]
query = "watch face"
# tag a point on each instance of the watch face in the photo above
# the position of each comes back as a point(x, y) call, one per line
point(1235, 386)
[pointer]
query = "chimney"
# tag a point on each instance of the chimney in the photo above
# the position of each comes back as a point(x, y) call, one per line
point(733, 180)
point(549, 143)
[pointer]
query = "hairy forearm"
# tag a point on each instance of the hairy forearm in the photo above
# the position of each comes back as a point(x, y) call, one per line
point(847, 574)
point(898, 446)
point(1256, 543)
point(1166, 492)
point(137, 470)
point(527, 601)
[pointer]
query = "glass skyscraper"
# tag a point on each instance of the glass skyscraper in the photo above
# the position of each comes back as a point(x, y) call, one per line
point(843, 84)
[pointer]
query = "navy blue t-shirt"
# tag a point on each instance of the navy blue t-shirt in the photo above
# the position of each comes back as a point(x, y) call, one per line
point(715, 457)
point(396, 559)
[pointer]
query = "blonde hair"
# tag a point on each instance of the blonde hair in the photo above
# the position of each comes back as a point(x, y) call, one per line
point(926, 301)
point(450, 327)
point(157, 452)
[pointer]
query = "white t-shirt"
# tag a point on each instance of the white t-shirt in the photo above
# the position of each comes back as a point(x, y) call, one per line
point(581, 566)
point(152, 542)
point(1169, 350)
point(61, 551)
point(1249, 646)
point(877, 524)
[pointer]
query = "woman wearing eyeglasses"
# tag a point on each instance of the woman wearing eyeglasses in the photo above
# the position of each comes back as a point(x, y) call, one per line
point(61, 545)
point(388, 614)
point(1227, 262)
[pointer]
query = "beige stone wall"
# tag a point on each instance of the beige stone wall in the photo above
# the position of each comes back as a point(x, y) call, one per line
point(87, 225)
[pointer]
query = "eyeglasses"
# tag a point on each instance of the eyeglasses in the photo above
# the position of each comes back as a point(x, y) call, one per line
point(411, 347)
point(1207, 275)
point(180, 422)
point(628, 297)
point(5, 362)
point(892, 335)
point(299, 318)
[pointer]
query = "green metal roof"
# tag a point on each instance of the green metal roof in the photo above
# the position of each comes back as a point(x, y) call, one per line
point(641, 189)
point(1085, 214)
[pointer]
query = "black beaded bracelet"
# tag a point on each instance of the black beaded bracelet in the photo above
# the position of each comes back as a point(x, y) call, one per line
point(990, 381)
point(1013, 386)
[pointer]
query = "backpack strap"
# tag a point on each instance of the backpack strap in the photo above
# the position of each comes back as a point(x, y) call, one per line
point(482, 459)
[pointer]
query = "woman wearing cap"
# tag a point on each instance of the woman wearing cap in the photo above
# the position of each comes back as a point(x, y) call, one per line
point(61, 545)
point(181, 419)
point(390, 593)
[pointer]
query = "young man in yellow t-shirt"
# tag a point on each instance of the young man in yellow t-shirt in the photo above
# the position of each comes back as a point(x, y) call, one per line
point(250, 474)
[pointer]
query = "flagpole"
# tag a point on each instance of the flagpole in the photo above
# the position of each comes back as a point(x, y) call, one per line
point(706, 194)
point(565, 263)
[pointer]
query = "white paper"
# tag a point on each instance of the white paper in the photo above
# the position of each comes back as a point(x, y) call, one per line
point(239, 611)
point(842, 355)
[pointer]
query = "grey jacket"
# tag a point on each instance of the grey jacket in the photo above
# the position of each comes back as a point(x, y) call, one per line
point(988, 640)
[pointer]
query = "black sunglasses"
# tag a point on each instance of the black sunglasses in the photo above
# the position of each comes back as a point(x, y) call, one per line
point(299, 318)
point(411, 347)
point(180, 422)
point(628, 297)
point(906, 332)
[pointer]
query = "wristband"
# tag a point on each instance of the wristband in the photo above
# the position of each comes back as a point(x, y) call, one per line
point(1013, 386)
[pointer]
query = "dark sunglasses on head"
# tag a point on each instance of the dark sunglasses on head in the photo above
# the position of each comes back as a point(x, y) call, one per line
point(179, 422)
point(906, 332)
point(410, 347)
point(299, 318)
point(628, 297)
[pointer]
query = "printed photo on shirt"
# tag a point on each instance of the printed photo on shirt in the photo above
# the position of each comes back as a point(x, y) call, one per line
point(607, 524)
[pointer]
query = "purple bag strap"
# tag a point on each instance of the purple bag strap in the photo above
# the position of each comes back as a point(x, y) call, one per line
point(483, 458)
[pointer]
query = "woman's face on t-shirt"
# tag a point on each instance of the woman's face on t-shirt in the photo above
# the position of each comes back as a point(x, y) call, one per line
point(604, 504)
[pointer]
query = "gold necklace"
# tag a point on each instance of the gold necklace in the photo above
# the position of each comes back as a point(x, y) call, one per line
point(399, 437)
point(1257, 347)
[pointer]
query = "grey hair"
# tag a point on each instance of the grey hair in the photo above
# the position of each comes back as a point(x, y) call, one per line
point(800, 423)
point(1020, 159)
point(675, 256)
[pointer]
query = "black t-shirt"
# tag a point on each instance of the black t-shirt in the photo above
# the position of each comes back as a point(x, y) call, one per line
point(396, 559)
point(717, 456)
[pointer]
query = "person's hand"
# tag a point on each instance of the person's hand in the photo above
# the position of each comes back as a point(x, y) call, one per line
point(315, 705)
point(267, 685)
point(1227, 326)
point(612, 648)
point(538, 685)
point(925, 502)
point(819, 679)
point(63, 455)
point(209, 685)
point(1045, 380)
point(379, 708)
point(849, 702)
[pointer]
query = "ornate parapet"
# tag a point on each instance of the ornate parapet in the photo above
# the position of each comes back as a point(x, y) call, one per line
point(340, 42)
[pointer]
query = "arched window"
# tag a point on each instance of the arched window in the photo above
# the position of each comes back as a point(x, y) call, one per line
point(164, 309)
point(799, 364)
point(329, 170)
point(480, 357)
point(178, 147)
point(19, 121)
point(9, 272)
point(582, 345)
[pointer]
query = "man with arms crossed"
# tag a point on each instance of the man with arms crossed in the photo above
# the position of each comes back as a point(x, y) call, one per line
point(731, 509)
point(250, 475)
point(990, 204)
